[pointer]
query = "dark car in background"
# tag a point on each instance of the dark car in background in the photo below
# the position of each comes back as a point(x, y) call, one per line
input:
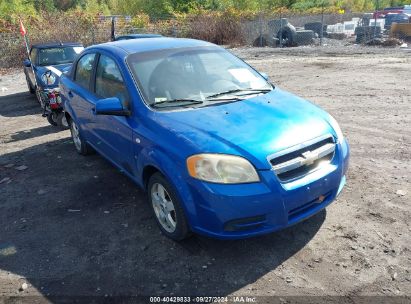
point(136, 36)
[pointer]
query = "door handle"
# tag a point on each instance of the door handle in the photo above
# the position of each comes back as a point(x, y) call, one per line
point(70, 94)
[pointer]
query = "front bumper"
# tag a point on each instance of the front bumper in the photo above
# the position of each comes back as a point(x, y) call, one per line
point(247, 210)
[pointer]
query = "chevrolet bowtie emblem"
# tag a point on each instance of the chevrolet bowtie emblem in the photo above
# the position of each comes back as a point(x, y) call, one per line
point(309, 157)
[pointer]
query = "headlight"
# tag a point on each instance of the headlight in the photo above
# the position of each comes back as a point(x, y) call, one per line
point(221, 168)
point(336, 127)
point(48, 78)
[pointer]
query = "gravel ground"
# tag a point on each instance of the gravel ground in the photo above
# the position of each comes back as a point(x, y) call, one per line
point(74, 226)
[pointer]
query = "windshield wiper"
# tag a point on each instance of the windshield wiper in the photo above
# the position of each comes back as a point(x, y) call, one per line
point(253, 91)
point(178, 102)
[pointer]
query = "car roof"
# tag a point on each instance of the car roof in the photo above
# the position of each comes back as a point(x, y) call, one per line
point(55, 44)
point(131, 46)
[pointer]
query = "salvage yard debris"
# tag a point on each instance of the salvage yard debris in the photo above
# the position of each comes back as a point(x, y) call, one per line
point(365, 29)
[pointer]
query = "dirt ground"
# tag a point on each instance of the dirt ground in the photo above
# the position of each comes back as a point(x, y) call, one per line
point(75, 226)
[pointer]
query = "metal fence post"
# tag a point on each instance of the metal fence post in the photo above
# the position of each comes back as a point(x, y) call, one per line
point(375, 18)
point(260, 25)
point(281, 27)
point(93, 36)
point(322, 24)
point(260, 29)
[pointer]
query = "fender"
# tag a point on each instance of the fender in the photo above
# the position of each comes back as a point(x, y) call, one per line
point(174, 174)
point(68, 109)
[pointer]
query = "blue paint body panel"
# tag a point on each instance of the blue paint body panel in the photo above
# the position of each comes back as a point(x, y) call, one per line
point(253, 129)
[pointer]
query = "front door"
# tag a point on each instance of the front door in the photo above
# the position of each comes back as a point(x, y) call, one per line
point(114, 133)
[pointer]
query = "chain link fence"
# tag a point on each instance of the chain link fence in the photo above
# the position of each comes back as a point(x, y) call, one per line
point(288, 30)
point(274, 30)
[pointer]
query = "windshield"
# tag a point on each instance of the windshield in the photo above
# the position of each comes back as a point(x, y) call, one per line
point(203, 75)
point(58, 55)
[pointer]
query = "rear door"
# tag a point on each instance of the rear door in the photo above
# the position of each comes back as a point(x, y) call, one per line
point(81, 98)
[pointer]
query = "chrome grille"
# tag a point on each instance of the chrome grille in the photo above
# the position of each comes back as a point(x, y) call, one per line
point(302, 159)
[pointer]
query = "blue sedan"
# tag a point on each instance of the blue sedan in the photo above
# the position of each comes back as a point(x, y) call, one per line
point(220, 151)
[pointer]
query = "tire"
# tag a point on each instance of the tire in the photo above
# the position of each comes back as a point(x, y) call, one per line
point(286, 35)
point(360, 38)
point(304, 37)
point(316, 28)
point(38, 97)
point(62, 121)
point(31, 90)
point(167, 208)
point(264, 40)
point(82, 147)
point(52, 118)
point(368, 32)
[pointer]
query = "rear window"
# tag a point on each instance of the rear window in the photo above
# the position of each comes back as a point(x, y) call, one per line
point(84, 70)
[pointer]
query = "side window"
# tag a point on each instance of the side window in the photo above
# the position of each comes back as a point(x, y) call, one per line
point(109, 82)
point(84, 70)
point(33, 56)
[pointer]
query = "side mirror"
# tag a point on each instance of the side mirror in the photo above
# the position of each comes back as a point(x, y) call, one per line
point(265, 76)
point(111, 106)
point(27, 63)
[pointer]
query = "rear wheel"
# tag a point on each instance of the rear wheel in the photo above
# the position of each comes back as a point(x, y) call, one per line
point(62, 121)
point(167, 208)
point(81, 146)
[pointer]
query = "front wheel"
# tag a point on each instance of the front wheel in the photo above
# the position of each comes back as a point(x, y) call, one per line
point(81, 146)
point(60, 119)
point(167, 208)
point(38, 97)
point(31, 90)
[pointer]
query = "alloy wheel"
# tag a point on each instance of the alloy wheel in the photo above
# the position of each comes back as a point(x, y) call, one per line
point(75, 133)
point(163, 207)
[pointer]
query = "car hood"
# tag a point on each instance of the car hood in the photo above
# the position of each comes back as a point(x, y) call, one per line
point(254, 128)
point(57, 71)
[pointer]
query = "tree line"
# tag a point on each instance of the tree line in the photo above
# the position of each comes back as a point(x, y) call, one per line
point(165, 8)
